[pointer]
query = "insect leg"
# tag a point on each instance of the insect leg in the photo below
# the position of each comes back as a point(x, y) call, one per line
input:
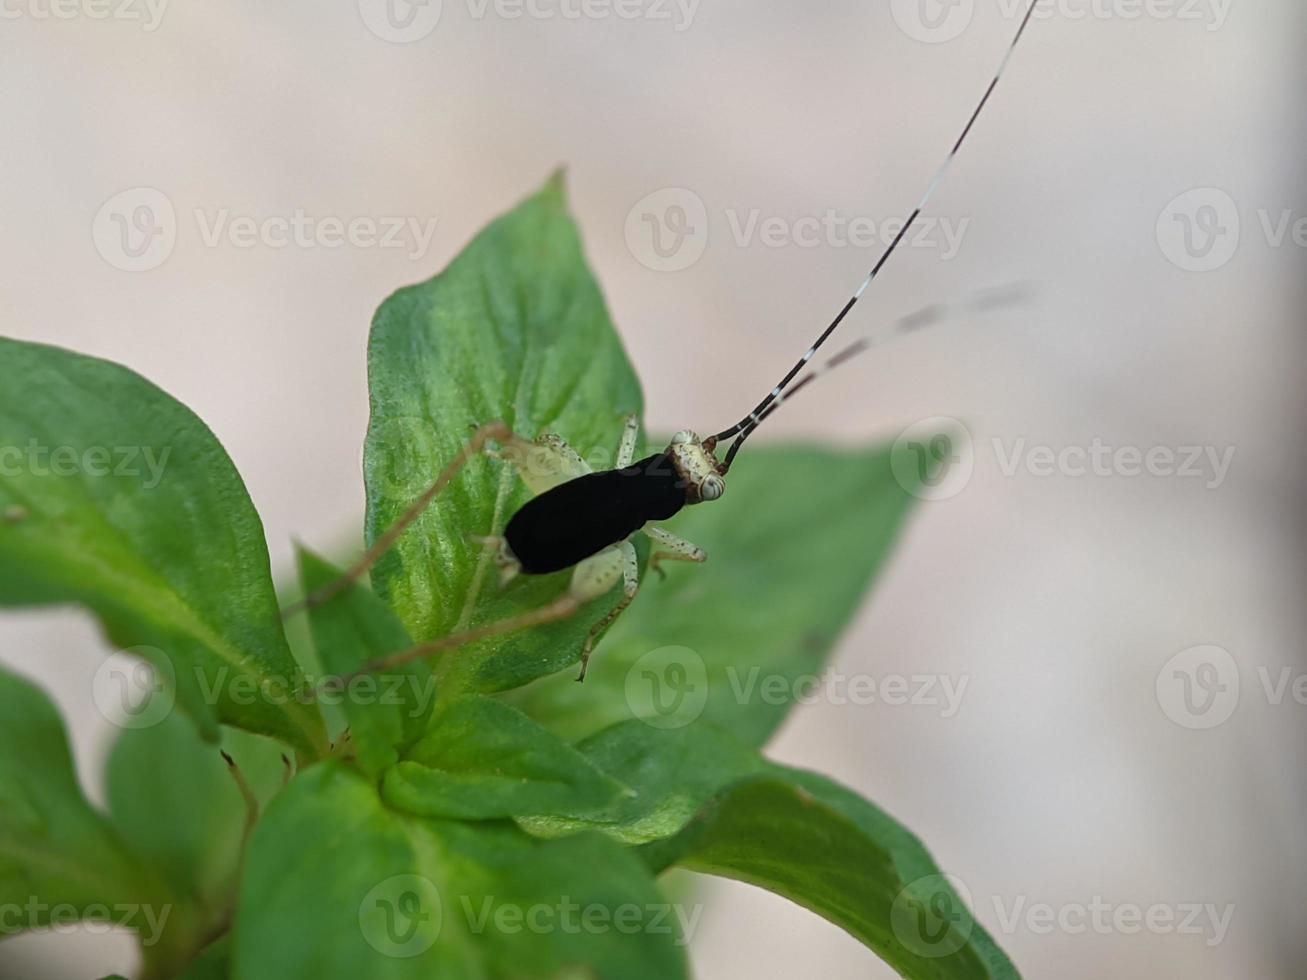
point(544, 462)
point(247, 794)
point(591, 579)
point(509, 567)
point(673, 549)
point(595, 581)
point(561, 608)
point(626, 448)
point(496, 431)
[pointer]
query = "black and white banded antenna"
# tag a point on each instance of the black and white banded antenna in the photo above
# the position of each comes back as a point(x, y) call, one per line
point(745, 427)
point(928, 316)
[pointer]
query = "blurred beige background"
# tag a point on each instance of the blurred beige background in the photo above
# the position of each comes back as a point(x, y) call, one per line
point(1068, 776)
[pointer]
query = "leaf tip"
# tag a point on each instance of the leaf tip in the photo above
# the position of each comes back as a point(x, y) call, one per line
point(555, 187)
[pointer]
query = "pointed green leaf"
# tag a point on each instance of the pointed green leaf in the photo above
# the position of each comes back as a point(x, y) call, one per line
point(117, 497)
point(514, 329)
point(338, 886)
point(703, 801)
point(385, 710)
point(669, 775)
point(58, 855)
point(172, 797)
point(483, 760)
point(791, 550)
point(804, 837)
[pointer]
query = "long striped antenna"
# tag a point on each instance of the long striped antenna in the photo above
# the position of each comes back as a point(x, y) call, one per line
point(927, 316)
point(744, 428)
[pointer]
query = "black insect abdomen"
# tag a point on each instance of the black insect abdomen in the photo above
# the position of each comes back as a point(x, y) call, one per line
point(583, 516)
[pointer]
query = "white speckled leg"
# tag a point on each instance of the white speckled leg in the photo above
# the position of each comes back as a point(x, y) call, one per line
point(507, 563)
point(673, 549)
point(620, 560)
point(626, 448)
point(544, 462)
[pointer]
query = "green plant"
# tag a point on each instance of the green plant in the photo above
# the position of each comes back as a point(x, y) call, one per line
point(482, 815)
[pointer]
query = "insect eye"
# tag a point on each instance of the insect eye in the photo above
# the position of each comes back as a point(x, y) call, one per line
point(712, 488)
point(683, 437)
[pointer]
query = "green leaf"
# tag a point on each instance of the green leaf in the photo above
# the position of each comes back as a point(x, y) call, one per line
point(804, 837)
point(338, 886)
point(172, 797)
point(212, 964)
point(514, 329)
point(384, 710)
point(702, 801)
point(669, 776)
point(483, 759)
point(117, 497)
point(791, 550)
point(59, 857)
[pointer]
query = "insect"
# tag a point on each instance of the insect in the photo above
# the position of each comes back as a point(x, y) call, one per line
point(585, 520)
